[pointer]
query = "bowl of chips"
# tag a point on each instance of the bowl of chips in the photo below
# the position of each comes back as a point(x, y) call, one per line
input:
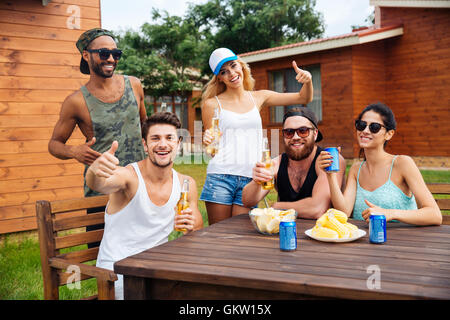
point(267, 220)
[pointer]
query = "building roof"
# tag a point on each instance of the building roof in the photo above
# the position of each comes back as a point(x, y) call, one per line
point(411, 3)
point(358, 36)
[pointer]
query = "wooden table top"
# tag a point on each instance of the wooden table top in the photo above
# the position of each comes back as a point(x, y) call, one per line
point(414, 263)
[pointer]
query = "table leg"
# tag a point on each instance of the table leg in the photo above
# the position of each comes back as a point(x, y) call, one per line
point(135, 288)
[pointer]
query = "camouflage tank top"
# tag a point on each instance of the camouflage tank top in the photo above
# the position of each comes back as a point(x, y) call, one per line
point(119, 121)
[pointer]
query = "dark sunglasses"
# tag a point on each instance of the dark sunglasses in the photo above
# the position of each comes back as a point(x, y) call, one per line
point(374, 127)
point(105, 53)
point(302, 132)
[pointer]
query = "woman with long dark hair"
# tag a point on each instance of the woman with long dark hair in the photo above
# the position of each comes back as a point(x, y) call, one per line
point(382, 182)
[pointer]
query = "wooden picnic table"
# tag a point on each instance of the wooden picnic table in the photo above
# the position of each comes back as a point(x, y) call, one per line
point(231, 260)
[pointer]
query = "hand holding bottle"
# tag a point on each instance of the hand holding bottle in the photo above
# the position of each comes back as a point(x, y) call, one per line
point(184, 220)
point(212, 135)
point(261, 174)
point(269, 184)
point(184, 213)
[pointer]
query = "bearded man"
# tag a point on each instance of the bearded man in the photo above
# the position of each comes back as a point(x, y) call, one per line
point(301, 185)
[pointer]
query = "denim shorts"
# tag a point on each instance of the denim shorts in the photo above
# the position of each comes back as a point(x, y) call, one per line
point(224, 188)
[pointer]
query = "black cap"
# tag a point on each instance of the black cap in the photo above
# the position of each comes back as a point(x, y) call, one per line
point(84, 66)
point(85, 39)
point(306, 113)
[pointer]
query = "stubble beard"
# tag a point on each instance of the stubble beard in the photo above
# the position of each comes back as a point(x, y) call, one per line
point(97, 68)
point(160, 165)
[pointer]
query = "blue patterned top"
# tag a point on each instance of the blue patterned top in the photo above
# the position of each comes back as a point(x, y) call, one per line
point(388, 196)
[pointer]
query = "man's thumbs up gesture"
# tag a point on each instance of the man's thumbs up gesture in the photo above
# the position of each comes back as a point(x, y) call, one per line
point(107, 163)
point(302, 76)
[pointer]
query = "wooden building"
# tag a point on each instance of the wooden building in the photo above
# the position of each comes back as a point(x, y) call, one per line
point(39, 67)
point(403, 61)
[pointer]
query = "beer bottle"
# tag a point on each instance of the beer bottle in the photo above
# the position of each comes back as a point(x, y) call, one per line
point(213, 147)
point(183, 203)
point(267, 185)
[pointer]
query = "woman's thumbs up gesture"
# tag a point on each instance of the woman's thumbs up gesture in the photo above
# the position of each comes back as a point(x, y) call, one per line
point(303, 76)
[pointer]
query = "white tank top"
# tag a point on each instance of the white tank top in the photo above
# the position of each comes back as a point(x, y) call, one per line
point(140, 225)
point(240, 146)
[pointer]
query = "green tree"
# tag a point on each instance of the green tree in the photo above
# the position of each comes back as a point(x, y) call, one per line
point(248, 25)
point(161, 55)
point(164, 53)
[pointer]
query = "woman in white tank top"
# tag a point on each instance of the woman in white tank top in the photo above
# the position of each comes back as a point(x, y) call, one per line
point(240, 147)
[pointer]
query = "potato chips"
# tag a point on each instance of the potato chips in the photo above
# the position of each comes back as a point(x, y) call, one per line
point(268, 220)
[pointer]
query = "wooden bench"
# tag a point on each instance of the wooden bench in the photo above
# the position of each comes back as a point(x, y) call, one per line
point(444, 204)
point(61, 224)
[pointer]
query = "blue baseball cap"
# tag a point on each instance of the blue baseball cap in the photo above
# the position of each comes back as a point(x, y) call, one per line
point(218, 57)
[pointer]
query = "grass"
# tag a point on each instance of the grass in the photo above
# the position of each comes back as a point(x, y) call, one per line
point(20, 266)
point(21, 274)
point(432, 176)
point(20, 270)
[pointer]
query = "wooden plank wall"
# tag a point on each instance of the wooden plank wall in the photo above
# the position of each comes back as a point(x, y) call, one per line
point(368, 80)
point(337, 104)
point(39, 67)
point(418, 80)
point(410, 73)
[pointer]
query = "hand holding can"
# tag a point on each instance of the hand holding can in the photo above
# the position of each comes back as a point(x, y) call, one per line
point(334, 152)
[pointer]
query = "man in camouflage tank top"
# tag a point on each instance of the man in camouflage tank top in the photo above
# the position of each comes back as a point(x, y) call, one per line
point(108, 107)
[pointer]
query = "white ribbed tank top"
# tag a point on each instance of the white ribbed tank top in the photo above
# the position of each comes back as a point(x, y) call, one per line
point(240, 146)
point(140, 225)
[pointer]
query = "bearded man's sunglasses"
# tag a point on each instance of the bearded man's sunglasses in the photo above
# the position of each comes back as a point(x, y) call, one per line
point(302, 132)
point(374, 127)
point(105, 53)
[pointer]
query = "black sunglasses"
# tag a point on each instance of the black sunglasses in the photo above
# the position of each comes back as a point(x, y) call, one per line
point(374, 127)
point(302, 132)
point(105, 53)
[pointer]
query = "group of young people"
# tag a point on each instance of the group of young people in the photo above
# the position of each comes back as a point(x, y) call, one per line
point(130, 157)
point(381, 182)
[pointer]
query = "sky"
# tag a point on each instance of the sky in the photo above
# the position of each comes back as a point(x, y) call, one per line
point(118, 15)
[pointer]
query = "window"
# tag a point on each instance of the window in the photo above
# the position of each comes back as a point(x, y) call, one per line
point(284, 81)
point(177, 104)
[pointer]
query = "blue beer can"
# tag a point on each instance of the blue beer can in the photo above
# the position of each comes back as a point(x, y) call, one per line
point(335, 153)
point(288, 236)
point(377, 228)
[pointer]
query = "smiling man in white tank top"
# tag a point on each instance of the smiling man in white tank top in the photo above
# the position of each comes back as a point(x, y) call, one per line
point(141, 213)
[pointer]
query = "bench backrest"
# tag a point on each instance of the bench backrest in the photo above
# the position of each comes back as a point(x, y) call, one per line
point(439, 190)
point(61, 225)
